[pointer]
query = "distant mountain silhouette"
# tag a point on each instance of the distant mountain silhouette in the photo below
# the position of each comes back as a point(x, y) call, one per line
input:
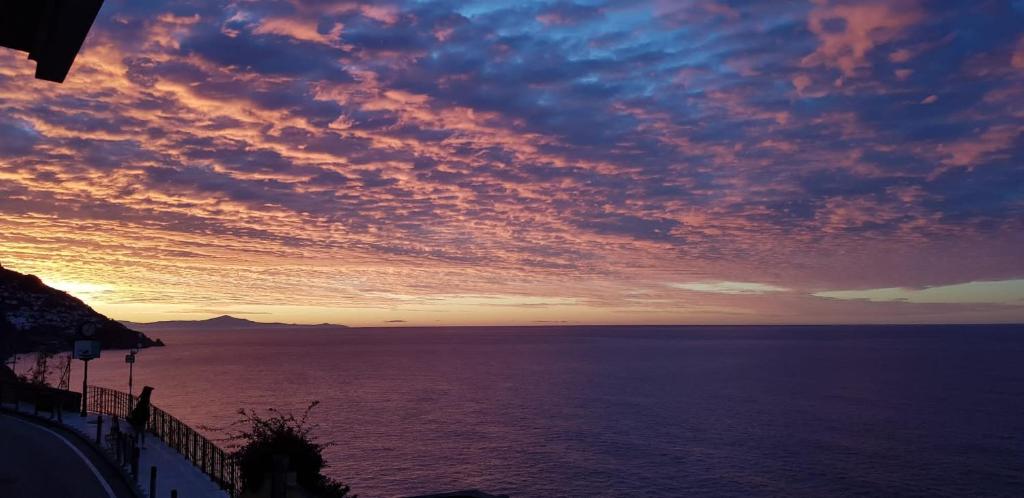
point(34, 317)
point(223, 322)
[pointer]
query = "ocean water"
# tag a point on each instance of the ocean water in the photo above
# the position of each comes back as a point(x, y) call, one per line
point(623, 411)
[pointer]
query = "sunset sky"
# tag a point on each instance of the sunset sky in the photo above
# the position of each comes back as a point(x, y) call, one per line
point(508, 162)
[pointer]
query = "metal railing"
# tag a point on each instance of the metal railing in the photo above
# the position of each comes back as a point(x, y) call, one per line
point(43, 398)
point(216, 463)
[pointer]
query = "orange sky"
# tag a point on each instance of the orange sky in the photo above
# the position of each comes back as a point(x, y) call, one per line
point(411, 164)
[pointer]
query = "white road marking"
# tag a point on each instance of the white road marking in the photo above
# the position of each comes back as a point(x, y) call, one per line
point(99, 477)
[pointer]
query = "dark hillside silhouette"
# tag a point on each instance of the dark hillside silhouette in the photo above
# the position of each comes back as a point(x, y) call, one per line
point(36, 317)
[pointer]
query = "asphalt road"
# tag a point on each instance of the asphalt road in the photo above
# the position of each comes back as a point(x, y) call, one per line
point(38, 461)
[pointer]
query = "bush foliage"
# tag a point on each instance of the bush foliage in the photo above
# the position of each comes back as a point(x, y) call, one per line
point(40, 373)
point(262, 437)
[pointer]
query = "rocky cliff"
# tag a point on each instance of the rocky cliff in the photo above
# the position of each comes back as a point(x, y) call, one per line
point(36, 317)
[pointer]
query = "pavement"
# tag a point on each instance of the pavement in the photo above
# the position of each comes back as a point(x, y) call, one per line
point(174, 471)
point(40, 461)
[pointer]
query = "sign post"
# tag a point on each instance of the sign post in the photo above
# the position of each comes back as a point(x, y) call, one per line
point(85, 350)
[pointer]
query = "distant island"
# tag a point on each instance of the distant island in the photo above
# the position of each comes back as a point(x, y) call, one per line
point(224, 322)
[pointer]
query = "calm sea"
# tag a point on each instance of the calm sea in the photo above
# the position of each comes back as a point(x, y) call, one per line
point(624, 411)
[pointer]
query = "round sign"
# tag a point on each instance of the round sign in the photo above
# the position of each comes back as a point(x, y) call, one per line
point(88, 329)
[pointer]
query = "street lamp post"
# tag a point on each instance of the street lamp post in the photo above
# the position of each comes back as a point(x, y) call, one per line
point(130, 360)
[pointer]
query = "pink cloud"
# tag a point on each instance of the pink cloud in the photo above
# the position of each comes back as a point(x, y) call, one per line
point(801, 82)
point(299, 29)
point(849, 32)
point(553, 19)
point(680, 13)
point(970, 151)
point(1017, 61)
point(901, 55)
point(387, 14)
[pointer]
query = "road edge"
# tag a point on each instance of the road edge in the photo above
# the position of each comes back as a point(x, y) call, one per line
point(101, 455)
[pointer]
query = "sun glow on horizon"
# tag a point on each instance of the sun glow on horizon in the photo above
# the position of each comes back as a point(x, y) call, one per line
point(89, 292)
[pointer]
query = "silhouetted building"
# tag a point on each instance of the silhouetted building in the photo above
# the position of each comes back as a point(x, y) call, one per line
point(51, 31)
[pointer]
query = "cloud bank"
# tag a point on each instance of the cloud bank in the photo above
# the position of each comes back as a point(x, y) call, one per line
point(444, 162)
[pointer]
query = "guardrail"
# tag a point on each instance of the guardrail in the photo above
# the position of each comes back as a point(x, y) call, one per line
point(216, 463)
point(43, 398)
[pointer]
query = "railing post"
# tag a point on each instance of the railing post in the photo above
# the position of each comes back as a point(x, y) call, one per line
point(174, 493)
point(99, 428)
point(152, 481)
